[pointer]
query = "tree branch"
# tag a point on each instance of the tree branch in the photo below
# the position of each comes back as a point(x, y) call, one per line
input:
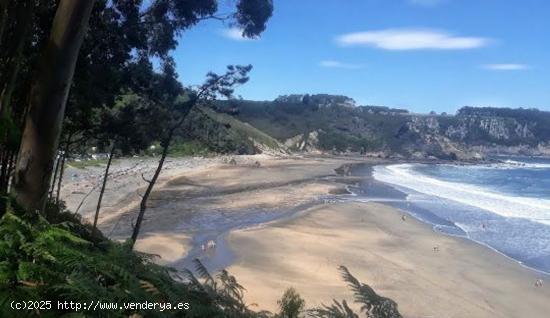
point(144, 179)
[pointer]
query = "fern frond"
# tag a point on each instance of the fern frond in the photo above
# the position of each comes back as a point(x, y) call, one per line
point(150, 288)
point(204, 274)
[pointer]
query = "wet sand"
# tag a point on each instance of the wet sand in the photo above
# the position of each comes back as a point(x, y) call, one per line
point(204, 201)
point(280, 225)
point(395, 257)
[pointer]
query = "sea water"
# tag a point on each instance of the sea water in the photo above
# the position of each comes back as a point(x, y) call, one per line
point(505, 206)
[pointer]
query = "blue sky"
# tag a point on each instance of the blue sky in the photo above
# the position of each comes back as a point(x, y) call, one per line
point(419, 54)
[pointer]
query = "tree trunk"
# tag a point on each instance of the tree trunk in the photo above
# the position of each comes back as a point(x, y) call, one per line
point(143, 204)
point(61, 171)
point(10, 169)
point(56, 170)
point(6, 170)
point(103, 187)
point(4, 174)
point(47, 103)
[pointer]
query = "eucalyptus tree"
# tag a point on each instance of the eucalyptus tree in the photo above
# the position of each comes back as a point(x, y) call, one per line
point(21, 22)
point(47, 99)
point(146, 29)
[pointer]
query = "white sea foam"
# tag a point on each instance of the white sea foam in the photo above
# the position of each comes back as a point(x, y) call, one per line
point(511, 164)
point(403, 175)
point(520, 164)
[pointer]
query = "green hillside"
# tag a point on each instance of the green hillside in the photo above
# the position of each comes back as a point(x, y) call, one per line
point(341, 126)
point(208, 131)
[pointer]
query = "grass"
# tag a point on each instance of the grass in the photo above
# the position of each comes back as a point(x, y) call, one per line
point(245, 129)
point(83, 164)
point(189, 148)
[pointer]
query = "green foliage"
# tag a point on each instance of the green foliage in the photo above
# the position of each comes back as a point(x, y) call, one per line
point(50, 258)
point(189, 148)
point(291, 305)
point(125, 125)
point(224, 290)
point(335, 310)
point(372, 304)
point(334, 140)
point(207, 131)
point(343, 127)
point(340, 127)
point(55, 257)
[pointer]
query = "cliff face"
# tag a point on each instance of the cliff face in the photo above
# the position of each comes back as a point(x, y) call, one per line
point(483, 132)
point(332, 123)
point(470, 127)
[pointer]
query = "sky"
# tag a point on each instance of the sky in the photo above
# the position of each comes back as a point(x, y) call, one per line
point(422, 55)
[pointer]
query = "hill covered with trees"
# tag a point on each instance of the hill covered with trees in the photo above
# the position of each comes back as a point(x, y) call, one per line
point(321, 122)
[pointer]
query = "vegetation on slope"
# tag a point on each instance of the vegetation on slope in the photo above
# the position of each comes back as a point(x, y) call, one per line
point(343, 127)
point(206, 131)
point(57, 259)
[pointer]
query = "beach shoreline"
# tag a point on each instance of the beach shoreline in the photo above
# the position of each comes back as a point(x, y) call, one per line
point(395, 257)
point(243, 207)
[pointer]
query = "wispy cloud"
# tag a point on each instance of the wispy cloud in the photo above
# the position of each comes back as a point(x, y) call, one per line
point(411, 39)
point(338, 64)
point(236, 34)
point(505, 67)
point(426, 3)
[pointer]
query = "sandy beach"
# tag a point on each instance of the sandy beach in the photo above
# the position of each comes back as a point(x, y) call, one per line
point(395, 257)
point(281, 225)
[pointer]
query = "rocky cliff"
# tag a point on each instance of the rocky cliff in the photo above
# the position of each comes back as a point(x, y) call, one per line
point(329, 123)
point(489, 130)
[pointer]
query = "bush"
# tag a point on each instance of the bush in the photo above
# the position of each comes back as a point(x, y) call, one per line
point(43, 260)
point(291, 305)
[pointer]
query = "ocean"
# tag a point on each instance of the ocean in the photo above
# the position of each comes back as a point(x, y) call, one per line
point(505, 206)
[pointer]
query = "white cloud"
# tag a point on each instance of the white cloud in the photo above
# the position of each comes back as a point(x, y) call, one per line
point(426, 3)
point(505, 67)
point(236, 34)
point(411, 39)
point(338, 64)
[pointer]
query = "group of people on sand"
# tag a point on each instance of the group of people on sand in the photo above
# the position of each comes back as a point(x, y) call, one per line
point(209, 245)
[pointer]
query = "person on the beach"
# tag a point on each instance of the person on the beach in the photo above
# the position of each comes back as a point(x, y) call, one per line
point(404, 217)
point(538, 283)
point(211, 244)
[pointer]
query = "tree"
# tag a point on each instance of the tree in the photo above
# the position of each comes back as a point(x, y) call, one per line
point(47, 103)
point(19, 38)
point(171, 105)
point(291, 305)
point(123, 127)
point(150, 30)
